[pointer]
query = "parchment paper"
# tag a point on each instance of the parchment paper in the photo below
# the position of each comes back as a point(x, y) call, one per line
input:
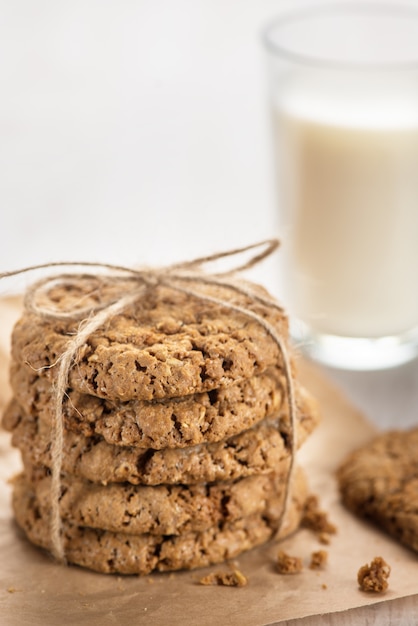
point(36, 591)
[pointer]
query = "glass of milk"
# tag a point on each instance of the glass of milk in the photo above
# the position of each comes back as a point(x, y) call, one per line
point(344, 95)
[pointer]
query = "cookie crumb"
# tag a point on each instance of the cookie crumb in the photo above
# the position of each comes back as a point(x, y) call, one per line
point(324, 538)
point(287, 564)
point(226, 579)
point(316, 519)
point(374, 577)
point(319, 559)
point(324, 586)
point(12, 590)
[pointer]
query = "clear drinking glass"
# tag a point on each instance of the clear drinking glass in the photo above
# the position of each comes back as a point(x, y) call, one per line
point(344, 99)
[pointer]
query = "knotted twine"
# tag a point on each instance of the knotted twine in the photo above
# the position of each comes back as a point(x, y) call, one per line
point(188, 277)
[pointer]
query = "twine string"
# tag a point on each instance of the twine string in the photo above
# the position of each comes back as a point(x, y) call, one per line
point(187, 277)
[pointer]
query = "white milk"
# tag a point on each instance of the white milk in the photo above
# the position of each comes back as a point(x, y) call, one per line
point(349, 177)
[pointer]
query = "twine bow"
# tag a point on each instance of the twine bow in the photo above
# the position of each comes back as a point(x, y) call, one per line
point(129, 285)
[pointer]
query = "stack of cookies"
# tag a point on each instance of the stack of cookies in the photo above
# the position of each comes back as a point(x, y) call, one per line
point(177, 438)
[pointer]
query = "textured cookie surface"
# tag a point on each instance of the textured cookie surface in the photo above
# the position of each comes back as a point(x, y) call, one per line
point(172, 423)
point(380, 482)
point(257, 450)
point(167, 344)
point(109, 552)
point(165, 509)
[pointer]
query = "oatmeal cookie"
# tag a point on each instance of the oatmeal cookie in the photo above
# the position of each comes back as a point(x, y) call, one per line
point(167, 344)
point(171, 423)
point(167, 509)
point(379, 481)
point(109, 552)
point(258, 450)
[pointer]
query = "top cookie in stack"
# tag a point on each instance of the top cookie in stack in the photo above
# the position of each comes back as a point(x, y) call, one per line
point(174, 390)
point(167, 345)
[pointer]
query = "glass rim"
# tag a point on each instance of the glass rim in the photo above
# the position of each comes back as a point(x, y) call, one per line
point(332, 9)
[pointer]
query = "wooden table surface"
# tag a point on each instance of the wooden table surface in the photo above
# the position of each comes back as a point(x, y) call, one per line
point(403, 611)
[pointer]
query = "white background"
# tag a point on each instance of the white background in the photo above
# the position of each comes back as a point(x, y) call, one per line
point(132, 131)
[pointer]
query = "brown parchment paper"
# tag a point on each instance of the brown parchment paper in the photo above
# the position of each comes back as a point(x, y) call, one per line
point(36, 591)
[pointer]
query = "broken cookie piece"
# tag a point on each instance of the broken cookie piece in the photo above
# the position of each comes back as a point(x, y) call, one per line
point(287, 564)
point(317, 520)
point(319, 559)
point(374, 577)
point(225, 579)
